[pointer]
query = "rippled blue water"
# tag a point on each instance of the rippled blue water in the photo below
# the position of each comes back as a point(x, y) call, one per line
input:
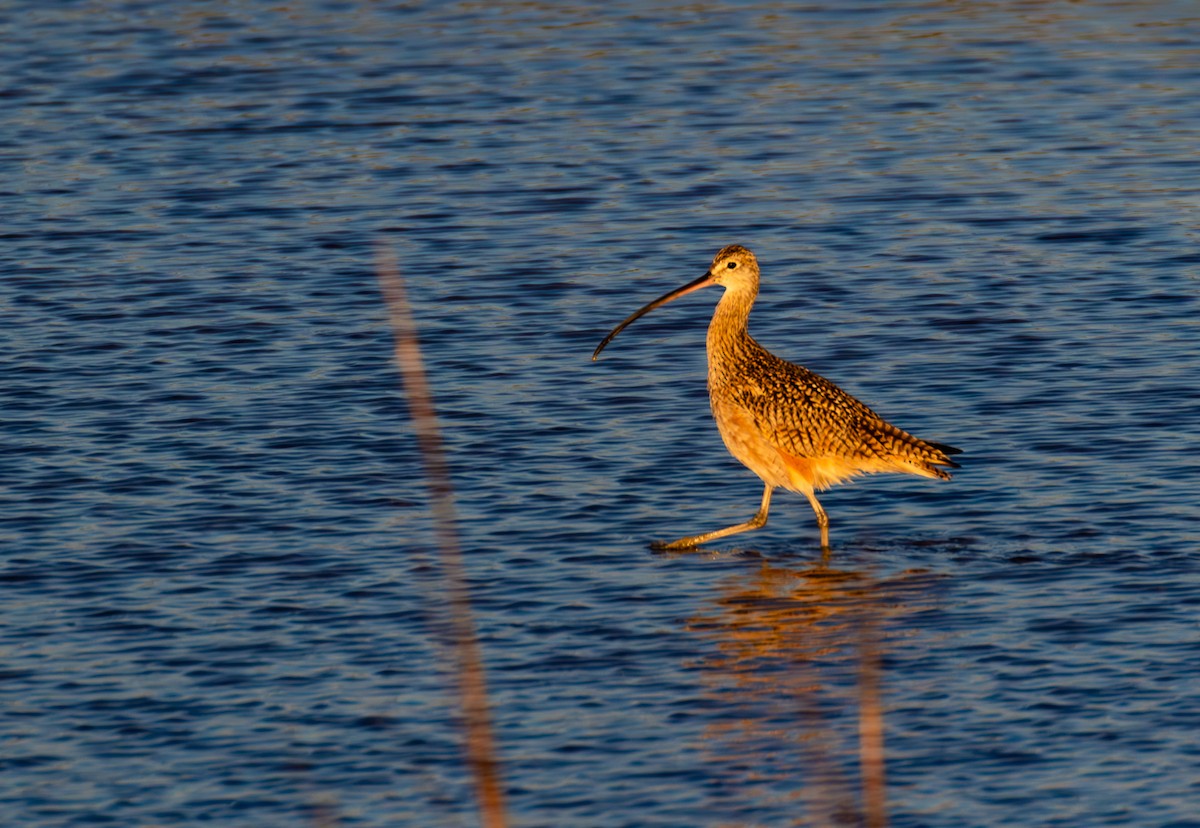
point(219, 587)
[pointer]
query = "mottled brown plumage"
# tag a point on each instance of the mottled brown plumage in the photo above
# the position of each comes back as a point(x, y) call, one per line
point(794, 429)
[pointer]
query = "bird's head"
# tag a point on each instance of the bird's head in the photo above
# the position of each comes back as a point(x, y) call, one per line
point(733, 267)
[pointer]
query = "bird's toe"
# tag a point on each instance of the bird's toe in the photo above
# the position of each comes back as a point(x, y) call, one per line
point(668, 546)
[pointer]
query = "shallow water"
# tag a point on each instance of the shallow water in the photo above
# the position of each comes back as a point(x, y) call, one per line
point(220, 591)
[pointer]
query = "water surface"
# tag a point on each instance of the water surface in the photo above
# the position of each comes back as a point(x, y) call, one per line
point(220, 588)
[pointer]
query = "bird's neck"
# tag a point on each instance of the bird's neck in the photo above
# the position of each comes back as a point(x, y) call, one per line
point(727, 334)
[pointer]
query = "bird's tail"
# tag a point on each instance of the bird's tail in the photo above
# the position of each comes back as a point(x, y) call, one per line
point(912, 454)
point(946, 450)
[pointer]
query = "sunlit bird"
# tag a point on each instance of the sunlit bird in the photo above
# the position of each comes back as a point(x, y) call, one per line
point(794, 429)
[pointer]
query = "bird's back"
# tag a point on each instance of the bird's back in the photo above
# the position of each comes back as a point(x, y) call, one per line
point(822, 434)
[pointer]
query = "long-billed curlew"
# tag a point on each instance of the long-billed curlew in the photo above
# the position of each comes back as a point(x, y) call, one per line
point(794, 429)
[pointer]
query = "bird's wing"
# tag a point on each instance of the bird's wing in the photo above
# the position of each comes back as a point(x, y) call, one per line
point(807, 417)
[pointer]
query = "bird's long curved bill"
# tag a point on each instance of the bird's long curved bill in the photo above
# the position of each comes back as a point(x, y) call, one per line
point(703, 281)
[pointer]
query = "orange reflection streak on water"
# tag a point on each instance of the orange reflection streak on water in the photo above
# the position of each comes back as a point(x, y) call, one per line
point(795, 648)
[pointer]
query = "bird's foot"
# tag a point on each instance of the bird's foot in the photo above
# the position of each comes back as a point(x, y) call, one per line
point(672, 546)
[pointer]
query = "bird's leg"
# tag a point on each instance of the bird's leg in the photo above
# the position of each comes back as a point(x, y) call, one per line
point(822, 520)
point(759, 519)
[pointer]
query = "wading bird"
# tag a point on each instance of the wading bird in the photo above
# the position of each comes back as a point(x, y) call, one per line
point(794, 429)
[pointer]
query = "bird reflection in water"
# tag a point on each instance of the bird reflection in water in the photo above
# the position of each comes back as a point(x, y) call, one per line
point(797, 668)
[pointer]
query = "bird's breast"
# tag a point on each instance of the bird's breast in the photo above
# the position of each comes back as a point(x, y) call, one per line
point(744, 436)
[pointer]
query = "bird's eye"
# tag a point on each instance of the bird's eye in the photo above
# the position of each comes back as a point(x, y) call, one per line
point(731, 265)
